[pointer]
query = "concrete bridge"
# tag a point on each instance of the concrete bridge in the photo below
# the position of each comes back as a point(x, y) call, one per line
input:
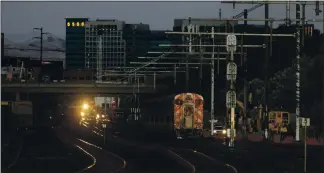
point(89, 88)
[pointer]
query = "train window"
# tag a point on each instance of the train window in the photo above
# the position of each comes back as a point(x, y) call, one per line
point(74, 78)
point(285, 115)
point(87, 77)
point(81, 78)
point(272, 116)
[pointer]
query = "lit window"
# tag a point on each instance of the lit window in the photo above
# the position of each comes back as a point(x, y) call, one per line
point(68, 24)
point(78, 24)
point(82, 23)
point(72, 23)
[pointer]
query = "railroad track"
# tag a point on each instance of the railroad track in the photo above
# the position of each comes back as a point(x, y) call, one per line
point(200, 162)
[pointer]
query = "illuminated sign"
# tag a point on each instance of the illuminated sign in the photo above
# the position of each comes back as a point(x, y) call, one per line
point(75, 24)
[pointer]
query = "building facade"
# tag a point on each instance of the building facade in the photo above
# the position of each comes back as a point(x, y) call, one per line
point(104, 44)
point(137, 37)
point(2, 46)
point(157, 38)
point(75, 43)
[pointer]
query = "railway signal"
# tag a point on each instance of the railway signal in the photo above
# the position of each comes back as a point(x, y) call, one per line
point(231, 43)
point(308, 31)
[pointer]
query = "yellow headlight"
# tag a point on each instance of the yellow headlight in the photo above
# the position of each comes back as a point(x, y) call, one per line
point(85, 106)
point(224, 131)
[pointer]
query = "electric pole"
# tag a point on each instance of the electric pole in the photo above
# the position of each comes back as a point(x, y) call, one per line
point(297, 69)
point(40, 49)
point(41, 42)
point(266, 54)
point(212, 91)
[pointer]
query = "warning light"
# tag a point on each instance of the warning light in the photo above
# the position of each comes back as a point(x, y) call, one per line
point(45, 62)
point(78, 24)
point(68, 24)
point(82, 23)
point(309, 30)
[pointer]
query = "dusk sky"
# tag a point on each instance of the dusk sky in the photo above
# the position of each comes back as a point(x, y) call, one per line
point(22, 17)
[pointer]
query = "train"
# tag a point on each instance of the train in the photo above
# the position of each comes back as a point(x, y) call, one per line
point(175, 116)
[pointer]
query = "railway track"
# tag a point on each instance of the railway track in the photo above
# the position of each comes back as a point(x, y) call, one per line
point(202, 163)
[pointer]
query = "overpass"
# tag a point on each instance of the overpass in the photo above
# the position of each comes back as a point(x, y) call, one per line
point(89, 88)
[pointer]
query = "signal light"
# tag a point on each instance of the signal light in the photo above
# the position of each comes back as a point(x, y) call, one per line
point(309, 30)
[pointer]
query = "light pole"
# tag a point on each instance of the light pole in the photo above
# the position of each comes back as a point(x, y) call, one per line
point(212, 73)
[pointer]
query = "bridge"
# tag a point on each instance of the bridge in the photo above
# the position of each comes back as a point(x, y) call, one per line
point(75, 88)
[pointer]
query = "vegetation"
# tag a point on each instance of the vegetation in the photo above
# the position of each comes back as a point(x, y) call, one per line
point(282, 93)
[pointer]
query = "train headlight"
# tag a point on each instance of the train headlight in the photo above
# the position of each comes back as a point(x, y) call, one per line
point(98, 116)
point(85, 106)
point(224, 131)
point(103, 116)
point(214, 131)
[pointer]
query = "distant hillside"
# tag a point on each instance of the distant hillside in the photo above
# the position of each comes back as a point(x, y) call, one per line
point(23, 45)
point(26, 41)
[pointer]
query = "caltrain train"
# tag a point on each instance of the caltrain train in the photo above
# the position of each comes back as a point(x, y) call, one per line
point(175, 116)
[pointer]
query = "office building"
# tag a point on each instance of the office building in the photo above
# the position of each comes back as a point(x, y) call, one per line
point(201, 25)
point(157, 38)
point(104, 44)
point(75, 43)
point(137, 37)
point(2, 45)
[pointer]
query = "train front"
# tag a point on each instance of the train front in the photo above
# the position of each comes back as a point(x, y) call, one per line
point(188, 115)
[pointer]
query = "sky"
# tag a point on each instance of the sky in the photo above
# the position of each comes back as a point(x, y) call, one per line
point(21, 17)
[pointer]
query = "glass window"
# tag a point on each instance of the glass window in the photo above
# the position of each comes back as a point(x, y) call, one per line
point(272, 115)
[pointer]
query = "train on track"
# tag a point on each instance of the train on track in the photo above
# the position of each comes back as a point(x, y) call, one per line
point(174, 116)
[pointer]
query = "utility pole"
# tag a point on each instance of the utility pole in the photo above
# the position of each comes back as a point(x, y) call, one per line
point(190, 29)
point(201, 67)
point(297, 68)
point(303, 25)
point(212, 92)
point(323, 102)
point(287, 14)
point(243, 59)
point(40, 49)
point(266, 54)
point(99, 59)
